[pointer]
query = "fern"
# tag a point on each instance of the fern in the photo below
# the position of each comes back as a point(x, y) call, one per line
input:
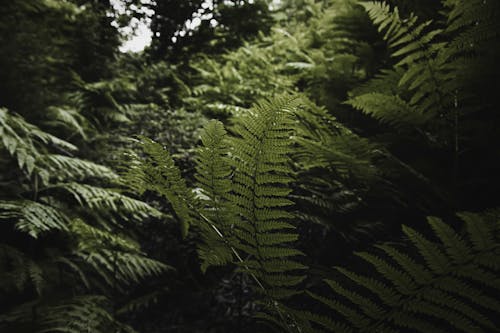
point(323, 146)
point(260, 190)
point(446, 287)
point(19, 272)
point(32, 217)
point(68, 117)
point(81, 314)
point(86, 247)
point(424, 70)
point(90, 313)
point(65, 167)
point(390, 109)
point(240, 206)
point(212, 173)
point(474, 21)
point(160, 174)
point(108, 199)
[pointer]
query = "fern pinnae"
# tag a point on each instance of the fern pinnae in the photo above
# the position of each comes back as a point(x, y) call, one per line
point(455, 246)
point(400, 279)
point(417, 272)
point(433, 255)
point(423, 67)
point(164, 177)
point(429, 298)
point(212, 173)
point(481, 234)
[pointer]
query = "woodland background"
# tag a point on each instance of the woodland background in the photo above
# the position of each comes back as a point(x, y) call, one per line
point(353, 170)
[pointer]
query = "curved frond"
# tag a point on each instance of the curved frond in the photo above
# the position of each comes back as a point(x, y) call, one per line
point(443, 288)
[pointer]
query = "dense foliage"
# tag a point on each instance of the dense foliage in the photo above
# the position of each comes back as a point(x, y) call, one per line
point(290, 166)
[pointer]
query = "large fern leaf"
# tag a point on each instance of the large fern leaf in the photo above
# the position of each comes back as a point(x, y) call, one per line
point(447, 286)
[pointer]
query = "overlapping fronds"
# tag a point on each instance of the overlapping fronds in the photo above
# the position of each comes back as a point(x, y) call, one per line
point(19, 271)
point(241, 202)
point(22, 140)
point(81, 314)
point(90, 313)
point(324, 146)
point(64, 167)
point(31, 147)
point(50, 183)
point(475, 23)
point(67, 117)
point(390, 109)
point(446, 285)
point(114, 257)
point(423, 66)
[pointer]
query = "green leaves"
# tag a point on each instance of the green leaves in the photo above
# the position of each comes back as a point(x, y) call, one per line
point(56, 200)
point(261, 178)
point(213, 173)
point(390, 109)
point(33, 218)
point(420, 60)
point(158, 173)
point(441, 287)
point(240, 206)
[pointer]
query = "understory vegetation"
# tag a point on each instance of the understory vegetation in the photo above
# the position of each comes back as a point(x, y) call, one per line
point(280, 166)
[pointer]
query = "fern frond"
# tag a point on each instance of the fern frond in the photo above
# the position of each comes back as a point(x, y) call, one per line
point(19, 271)
point(117, 260)
point(446, 293)
point(65, 167)
point(67, 117)
point(32, 217)
point(108, 199)
point(423, 67)
point(390, 109)
point(260, 157)
point(158, 173)
point(15, 131)
point(212, 173)
point(81, 314)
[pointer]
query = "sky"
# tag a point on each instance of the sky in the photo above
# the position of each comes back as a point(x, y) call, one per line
point(141, 37)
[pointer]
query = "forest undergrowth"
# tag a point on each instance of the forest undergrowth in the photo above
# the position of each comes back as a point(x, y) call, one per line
point(291, 166)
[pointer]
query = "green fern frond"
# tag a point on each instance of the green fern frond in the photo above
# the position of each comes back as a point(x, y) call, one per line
point(108, 199)
point(422, 66)
point(240, 205)
point(65, 167)
point(262, 171)
point(91, 238)
point(69, 118)
point(15, 131)
point(142, 302)
point(443, 288)
point(117, 260)
point(213, 175)
point(32, 217)
point(19, 271)
point(390, 109)
point(385, 82)
point(158, 173)
point(80, 314)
